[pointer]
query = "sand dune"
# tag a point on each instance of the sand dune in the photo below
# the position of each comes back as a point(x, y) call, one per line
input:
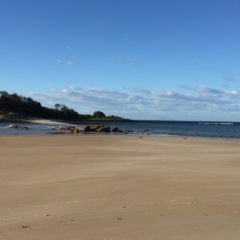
point(118, 187)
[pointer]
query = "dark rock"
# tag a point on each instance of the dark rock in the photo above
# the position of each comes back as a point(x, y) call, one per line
point(68, 128)
point(84, 128)
point(95, 127)
point(14, 126)
point(104, 129)
point(115, 129)
point(87, 128)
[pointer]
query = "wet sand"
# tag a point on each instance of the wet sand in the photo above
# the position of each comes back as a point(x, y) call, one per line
point(118, 187)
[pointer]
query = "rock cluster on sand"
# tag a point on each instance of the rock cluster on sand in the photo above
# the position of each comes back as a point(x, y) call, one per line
point(89, 128)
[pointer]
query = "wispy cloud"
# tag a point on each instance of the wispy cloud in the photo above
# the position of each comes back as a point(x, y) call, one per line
point(209, 92)
point(201, 103)
point(69, 48)
point(186, 87)
point(126, 61)
point(67, 63)
point(230, 77)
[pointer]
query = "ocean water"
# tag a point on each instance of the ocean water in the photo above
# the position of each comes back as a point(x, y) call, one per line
point(158, 128)
point(33, 129)
point(184, 128)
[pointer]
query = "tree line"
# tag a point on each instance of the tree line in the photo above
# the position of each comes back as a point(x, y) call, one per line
point(29, 107)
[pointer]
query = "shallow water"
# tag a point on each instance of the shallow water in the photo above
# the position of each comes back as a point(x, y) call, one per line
point(34, 128)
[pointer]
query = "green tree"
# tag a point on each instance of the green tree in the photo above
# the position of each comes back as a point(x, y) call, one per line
point(99, 114)
point(57, 106)
point(4, 94)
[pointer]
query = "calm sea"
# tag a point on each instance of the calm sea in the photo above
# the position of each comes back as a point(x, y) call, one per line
point(161, 128)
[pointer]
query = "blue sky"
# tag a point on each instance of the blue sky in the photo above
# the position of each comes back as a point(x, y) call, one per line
point(148, 59)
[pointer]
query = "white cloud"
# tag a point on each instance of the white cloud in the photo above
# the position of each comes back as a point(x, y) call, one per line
point(201, 103)
point(233, 92)
point(69, 63)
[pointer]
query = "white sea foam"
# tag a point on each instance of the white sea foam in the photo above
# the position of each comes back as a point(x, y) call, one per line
point(7, 126)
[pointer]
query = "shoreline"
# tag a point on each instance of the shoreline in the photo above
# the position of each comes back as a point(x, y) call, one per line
point(46, 126)
point(33, 120)
point(46, 121)
point(140, 135)
point(134, 135)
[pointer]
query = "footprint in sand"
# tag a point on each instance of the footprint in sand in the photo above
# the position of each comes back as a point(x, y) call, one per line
point(26, 227)
point(68, 221)
point(119, 219)
point(48, 215)
point(205, 215)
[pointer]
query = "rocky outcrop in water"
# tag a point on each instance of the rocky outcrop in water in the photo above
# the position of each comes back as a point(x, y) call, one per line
point(14, 126)
point(89, 128)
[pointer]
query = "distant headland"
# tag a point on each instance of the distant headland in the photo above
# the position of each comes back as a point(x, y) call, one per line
point(16, 108)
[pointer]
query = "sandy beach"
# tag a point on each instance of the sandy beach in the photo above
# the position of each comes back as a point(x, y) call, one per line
point(45, 121)
point(118, 187)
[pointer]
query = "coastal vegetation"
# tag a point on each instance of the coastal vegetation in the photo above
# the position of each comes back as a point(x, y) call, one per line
point(17, 106)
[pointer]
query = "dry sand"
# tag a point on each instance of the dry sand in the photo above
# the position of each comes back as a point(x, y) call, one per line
point(118, 187)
